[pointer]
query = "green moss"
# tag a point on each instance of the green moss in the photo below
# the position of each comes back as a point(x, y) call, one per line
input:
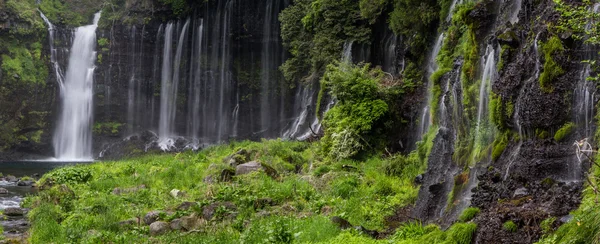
point(499, 146)
point(510, 226)
point(103, 42)
point(468, 214)
point(552, 70)
point(107, 128)
point(541, 134)
point(564, 131)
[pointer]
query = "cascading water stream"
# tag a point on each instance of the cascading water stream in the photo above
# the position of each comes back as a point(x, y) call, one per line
point(73, 137)
point(197, 86)
point(482, 136)
point(516, 9)
point(431, 68)
point(512, 158)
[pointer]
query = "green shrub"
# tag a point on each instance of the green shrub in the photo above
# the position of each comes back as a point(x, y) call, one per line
point(564, 131)
point(552, 70)
point(468, 214)
point(68, 175)
point(345, 187)
point(350, 124)
point(510, 226)
point(462, 233)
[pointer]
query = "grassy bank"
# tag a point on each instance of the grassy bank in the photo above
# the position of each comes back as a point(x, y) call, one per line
point(90, 203)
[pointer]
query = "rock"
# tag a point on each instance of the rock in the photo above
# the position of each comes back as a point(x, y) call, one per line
point(119, 191)
point(372, 233)
point(341, 222)
point(185, 206)
point(192, 222)
point(209, 211)
point(237, 158)
point(520, 192)
point(263, 202)
point(11, 178)
point(208, 179)
point(151, 217)
point(270, 171)
point(132, 221)
point(177, 193)
point(565, 219)
point(25, 183)
point(419, 179)
point(249, 167)
point(3, 191)
point(326, 210)
point(14, 212)
point(175, 224)
point(226, 175)
point(159, 228)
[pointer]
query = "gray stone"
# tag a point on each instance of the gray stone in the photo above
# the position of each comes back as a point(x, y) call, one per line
point(159, 228)
point(192, 222)
point(175, 224)
point(14, 212)
point(3, 191)
point(249, 167)
point(151, 217)
point(25, 183)
point(185, 206)
point(209, 211)
point(520, 192)
point(11, 178)
point(176, 193)
point(132, 221)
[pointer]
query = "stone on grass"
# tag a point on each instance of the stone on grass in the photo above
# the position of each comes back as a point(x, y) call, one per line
point(25, 183)
point(247, 168)
point(175, 224)
point(151, 217)
point(159, 228)
point(176, 193)
point(192, 222)
point(128, 222)
point(209, 211)
point(185, 206)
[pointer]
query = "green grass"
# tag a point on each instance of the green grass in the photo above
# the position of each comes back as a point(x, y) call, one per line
point(510, 226)
point(77, 203)
point(468, 214)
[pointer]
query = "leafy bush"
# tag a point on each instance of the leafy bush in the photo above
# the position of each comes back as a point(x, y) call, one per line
point(564, 131)
point(69, 175)
point(468, 214)
point(350, 124)
point(510, 226)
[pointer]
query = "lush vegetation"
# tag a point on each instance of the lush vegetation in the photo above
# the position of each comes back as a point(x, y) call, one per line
point(552, 70)
point(87, 203)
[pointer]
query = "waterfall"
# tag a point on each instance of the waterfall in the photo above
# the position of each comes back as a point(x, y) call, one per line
point(73, 137)
point(224, 75)
point(483, 127)
point(196, 85)
point(156, 77)
point(431, 68)
point(347, 52)
point(53, 59)
point(131, 108)
point(267, 94)
point(516, 9)
point(514, 154)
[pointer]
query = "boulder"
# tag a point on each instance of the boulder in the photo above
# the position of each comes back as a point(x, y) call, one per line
point(247, 168)
point(3, 191)
point(159, 228)
point(11, 178)
point(25, 183)
point(192, 222)
point(341, 222)
point(226, 175)
point(175, 224)
point(209, 211)
point(237, 158)
point(128, 222)
point(14, 212)
point(185, 206)
point(151, 217)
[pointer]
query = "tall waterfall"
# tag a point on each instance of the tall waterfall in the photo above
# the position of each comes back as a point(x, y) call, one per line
point(170, 86)
point(73, 137)
point(431, 68)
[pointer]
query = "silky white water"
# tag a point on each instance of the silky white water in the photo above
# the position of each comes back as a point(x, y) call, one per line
point(73, 137)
